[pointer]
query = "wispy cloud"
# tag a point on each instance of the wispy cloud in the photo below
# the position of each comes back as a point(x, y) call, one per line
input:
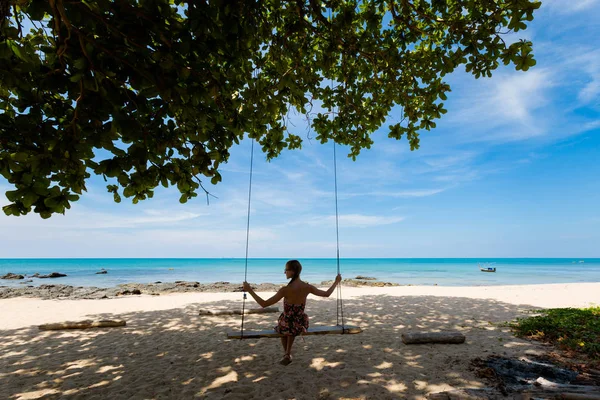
point(365, 221)
point(502, 110)
point(457, 176)
point(396, 194)
point(590, 63)
point(447, 161)
point(353, 220)
point(87, 219)
point(570, 6)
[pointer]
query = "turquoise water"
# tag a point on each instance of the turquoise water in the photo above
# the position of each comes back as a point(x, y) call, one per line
point(418, 271)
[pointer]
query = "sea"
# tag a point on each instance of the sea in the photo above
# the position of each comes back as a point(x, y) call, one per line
point(404, 271)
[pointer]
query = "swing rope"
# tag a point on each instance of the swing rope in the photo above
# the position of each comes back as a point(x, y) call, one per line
point(247, 235)
point(339, 305)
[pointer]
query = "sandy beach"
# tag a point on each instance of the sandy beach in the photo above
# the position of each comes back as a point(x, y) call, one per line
point(168, 351)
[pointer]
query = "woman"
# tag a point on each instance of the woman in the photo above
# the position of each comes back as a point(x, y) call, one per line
point(293, 321)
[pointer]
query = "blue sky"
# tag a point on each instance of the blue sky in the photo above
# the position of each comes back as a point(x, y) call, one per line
point(511, 171)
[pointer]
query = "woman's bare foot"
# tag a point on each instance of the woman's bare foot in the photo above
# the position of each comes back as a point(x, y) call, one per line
point(286, 360)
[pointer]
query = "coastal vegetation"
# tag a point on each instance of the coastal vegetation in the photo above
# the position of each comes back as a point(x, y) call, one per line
point(575, 329)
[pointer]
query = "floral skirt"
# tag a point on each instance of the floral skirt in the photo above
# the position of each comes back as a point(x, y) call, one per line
point(293, 321)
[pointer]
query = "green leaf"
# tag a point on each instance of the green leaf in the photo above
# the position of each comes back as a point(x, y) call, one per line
point(29, 198)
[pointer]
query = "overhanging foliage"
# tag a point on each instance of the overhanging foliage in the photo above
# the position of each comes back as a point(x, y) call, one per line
point(166, 88)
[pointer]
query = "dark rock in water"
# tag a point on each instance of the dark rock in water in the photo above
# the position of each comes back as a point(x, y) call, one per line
point(10, 275)
point(158, 282)
point(25, 282)
point(366, 278)
point(36, 275)
point(102, 272)
point(52, 275)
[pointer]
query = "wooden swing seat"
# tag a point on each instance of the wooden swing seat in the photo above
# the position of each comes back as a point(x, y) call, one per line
point(216, 311)
point(317, 330)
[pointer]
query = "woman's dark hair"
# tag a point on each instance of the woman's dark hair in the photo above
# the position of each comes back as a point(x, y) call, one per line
point(296, 267)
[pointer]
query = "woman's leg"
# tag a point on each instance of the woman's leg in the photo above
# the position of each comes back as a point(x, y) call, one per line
point(290, 342)
point(286, 342)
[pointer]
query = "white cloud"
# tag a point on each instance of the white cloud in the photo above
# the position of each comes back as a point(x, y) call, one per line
point(83, 218)
point(396, 194)
point(568, 6)
point(447, 161)
point(364, 221)
point(457, 176)
point(507, 98)
point(181, 242)
point(352, 220)
point(518, 94)
point(589, 62)
point(516, 107)
point(279, 196)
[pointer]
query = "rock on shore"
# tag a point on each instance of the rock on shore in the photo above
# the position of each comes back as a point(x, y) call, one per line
point(10, 275)
point(87, 292)
point(51, 275)
point(361, 282)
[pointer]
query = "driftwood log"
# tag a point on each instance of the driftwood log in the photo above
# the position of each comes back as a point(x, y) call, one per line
point(82, 325)
point(433, 337)
point(214, 311)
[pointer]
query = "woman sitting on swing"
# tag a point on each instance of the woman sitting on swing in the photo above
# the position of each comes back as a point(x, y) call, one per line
point(293, 321)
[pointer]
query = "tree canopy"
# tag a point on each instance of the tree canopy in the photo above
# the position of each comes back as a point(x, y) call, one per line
point(156, 92)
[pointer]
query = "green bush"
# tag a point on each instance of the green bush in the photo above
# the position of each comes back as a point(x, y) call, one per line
point(571, 328)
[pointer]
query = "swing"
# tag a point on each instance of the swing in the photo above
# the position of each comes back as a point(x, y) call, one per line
point(317, 330)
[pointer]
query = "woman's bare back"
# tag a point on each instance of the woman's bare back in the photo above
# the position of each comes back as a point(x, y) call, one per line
point(297, 292)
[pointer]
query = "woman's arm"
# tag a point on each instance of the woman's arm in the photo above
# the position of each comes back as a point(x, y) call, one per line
point(264, 303)
point(323, 293)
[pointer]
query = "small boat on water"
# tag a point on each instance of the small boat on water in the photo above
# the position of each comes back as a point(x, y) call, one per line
point(486, 268)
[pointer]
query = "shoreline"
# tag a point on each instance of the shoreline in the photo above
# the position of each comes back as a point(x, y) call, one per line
point(26, 311)
point(52, 291)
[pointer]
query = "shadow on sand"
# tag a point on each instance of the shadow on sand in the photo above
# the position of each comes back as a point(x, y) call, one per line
point(178, 354)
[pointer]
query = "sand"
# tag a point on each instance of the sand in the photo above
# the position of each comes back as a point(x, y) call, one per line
point(168, 351)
